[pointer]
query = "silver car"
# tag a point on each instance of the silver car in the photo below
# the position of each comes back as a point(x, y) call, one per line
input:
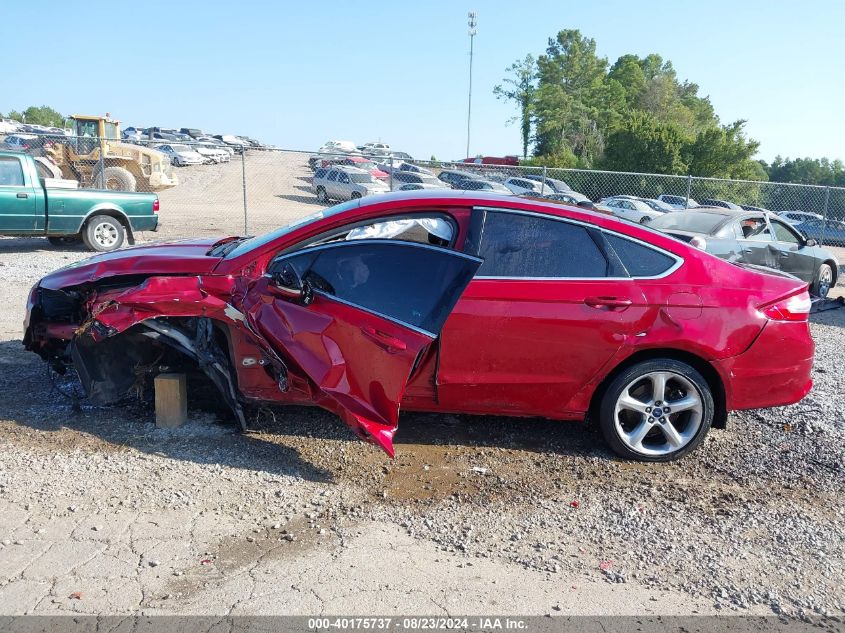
point(345, 183)
point(630, 208)
point(401, 178)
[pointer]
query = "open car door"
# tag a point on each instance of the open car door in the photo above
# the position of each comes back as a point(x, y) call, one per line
point(355, 317)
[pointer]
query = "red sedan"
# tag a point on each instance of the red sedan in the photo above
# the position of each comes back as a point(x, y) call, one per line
point(442, 301)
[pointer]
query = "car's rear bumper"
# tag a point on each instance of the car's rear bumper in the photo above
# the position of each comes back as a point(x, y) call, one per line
point(775, 370)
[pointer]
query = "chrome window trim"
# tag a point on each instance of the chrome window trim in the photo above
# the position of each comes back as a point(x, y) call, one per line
point(679, 261)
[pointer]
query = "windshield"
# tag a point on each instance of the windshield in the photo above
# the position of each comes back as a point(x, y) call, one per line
point(688, 221)
point(260, 240)
point(365, 164)
point(181, 148)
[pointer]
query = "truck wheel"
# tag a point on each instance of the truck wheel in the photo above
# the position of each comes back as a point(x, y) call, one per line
point(64, 240)
point(103, 233)
point(116, 179)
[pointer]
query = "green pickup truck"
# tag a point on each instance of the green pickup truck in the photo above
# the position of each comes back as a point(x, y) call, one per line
point(33, 203)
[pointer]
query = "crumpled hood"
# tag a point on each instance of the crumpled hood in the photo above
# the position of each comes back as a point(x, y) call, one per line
point(177, 258)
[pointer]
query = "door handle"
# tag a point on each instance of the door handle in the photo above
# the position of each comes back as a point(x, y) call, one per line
point(390, 343)
point(23, 195)
point(611, 303)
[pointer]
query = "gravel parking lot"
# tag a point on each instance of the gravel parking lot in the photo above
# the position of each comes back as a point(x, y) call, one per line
point(100, 512)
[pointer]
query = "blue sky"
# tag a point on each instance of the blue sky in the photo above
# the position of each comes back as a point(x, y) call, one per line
point(298, 73)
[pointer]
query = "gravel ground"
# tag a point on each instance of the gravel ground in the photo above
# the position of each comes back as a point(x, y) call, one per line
point(102, 513)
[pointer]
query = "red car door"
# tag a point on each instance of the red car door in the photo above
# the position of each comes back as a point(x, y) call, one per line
point(368, 310)
point(545, 313)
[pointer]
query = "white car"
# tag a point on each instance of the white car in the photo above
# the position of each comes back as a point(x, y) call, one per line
point(371, 146)
point(797, 217)
point(630, 208)
point(181, 155)
point(211, 153)
point(522, 186)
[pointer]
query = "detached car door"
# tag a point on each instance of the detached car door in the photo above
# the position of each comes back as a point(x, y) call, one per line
point(793, 257)
point(368, 310)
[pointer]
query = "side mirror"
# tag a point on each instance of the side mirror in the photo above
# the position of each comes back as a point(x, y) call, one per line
point(811, 242)
point(289, 285)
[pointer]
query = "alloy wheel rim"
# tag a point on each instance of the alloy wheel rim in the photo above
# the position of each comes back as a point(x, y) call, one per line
point(105, 234)
point(825, 278)
point(658, 413)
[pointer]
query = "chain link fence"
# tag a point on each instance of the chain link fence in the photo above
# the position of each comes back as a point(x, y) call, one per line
point(214, 188)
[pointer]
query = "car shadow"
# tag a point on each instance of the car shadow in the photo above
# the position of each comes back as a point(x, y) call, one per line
point(29, 399)
point(30, 244)
point(310, 199)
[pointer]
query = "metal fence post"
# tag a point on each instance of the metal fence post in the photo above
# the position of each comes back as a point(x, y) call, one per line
point(243, 184)
point(102, 184)
point(689, 190)
point(391, 172)
point(543, 186)
point(824, 213)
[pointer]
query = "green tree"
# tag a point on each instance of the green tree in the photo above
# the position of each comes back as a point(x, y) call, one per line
point(644, 144)
point(43, 115)
point(723, 152)
point(521, 88)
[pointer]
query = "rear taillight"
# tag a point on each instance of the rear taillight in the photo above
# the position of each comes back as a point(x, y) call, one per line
point(156, 205)
point(794, 308)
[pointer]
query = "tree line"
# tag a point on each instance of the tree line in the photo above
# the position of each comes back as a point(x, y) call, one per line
point(575, 109)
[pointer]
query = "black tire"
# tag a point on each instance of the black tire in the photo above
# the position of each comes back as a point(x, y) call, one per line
point(689, 425)
point(355, 195)
point(116, 179)
point(645, 219)
point(64, 240)
point(321, 195)
point(824, 280)
point(103, 233)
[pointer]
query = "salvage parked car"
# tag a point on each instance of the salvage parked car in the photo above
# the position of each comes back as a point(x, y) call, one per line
point(181, 155)
point(356, 161)
point(631, 208)
point(797, 217)
point(521, 186)
point(677, 202)
point(725, 204)
point(211, 153)
point(400, 178)
point(823, 231)
point(553, 184)
point(389, 303)
point(32, 203)
point(658, 205)
point(477, 184)
point(755, 238)
point(453, 176)
point(345, 183)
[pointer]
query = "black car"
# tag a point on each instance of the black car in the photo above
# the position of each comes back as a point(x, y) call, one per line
point(479, 184)
point(453, 176)
point(754, 238)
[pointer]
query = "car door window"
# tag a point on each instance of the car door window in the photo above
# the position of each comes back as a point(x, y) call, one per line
point(528, 246)
point(410, 283)
point(332, 176)
point(784, 234)
point(11, 172)
point(755, 229)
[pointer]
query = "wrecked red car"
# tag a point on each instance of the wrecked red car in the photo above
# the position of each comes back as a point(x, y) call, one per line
point(441, 301)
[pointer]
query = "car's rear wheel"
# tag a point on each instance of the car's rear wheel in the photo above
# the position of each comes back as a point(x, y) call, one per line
point(321, 195)
point(823, 282)
point(355, 195)
point(103, 233)
point(645, 219)
point(656, 411)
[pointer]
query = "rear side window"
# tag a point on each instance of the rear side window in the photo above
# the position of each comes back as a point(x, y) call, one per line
point(11, 172)
point(320, 173)
point(639, 260)
point(515, 245)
